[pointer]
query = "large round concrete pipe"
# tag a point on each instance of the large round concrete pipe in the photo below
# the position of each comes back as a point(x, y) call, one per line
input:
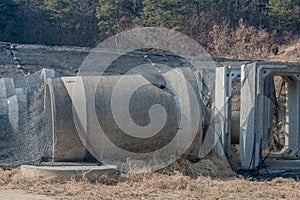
point(117, 118)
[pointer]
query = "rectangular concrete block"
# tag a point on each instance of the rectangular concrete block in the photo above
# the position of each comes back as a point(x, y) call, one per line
point(256, 110)
point(223, 95)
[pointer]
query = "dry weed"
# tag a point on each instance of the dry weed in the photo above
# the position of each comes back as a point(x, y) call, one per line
point(248, 42)
point(156, 186)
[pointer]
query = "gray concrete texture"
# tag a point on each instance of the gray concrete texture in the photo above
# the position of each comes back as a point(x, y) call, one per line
point(67, 171)
point(92, 109)
point(21, 118)
point(256, 111)
point(59, 124)
point(48, 106)
point(36, 118)
point(255, 115)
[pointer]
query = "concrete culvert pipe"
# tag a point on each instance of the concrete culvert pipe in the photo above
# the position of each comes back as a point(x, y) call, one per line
point(119, 117)
point(59, 124)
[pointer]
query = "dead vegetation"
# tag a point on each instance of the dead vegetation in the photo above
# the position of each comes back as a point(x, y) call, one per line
point(289, 52)
point(248, 42)
point(174, 182)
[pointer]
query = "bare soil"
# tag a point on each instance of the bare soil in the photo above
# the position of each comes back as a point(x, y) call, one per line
point(151, 186)
point(8, 193)
point(287, 53)
point(207, 179)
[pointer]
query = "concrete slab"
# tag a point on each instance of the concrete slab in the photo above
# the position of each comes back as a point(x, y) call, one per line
point(280, 166)
point(64, 171)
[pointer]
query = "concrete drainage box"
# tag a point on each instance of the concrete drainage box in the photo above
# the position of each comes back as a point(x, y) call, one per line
point(251, 125)
point(256, 116)
point(225, 76)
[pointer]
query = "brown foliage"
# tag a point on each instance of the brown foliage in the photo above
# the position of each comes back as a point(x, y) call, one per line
point(245, 42)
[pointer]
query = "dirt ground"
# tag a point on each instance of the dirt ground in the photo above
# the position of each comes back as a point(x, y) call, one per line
point(287, 53)
point(206, 179)
point(7, 193)
point(154, 186)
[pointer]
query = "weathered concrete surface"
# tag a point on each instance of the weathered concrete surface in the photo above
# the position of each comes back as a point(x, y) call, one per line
point(26, 121)
point(67, 172)
point(21, 118)
point(292, 139)
point(93, 109)
point(68, 59)
point(59, 124)
point(223, 101)
point(256, 115)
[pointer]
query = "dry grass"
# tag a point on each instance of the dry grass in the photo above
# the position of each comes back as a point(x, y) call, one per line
point(248, 42)
point(174, 182)
point(288, 52)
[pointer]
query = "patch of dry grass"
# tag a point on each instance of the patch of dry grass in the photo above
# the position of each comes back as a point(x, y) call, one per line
point(288, 52)
point(207, 179)
point(248, 42)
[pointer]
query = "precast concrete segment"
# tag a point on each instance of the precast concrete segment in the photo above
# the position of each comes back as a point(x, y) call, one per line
point(66, 172)
point(292, 140)
point(93, 112)
point(256, 115)
point(253, 123)
point(223, 95)
point(291, 73)
point(59, 123)
point(120, 131)
point(21, 118)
